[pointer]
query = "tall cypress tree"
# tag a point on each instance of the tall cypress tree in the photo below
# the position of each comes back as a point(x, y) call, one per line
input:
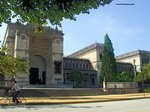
point(108, 67)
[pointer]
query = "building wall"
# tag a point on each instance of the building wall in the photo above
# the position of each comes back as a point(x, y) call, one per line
point(57, 57)
point(21, 45)
point(137, 58)
point(126, 67)
point(91, 53)
point(40, 49)
point(131, 60)
point(82, 65)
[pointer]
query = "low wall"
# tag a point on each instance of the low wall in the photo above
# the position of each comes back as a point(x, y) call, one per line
point(122, 87)
point(122, 90)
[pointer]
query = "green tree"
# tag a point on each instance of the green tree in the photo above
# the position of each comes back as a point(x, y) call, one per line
point(125, 77)
point(76, 77)
point(10, 66)
point(144, 75)
point(108, 67)
point(40, 12)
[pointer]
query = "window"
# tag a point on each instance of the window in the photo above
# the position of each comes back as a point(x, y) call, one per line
point(80, 65)
point(83, 66)
point(70, 65)
point(57, 66)
point(66, 65)
point(76, 65)
point(73, 65)
point(87, 66)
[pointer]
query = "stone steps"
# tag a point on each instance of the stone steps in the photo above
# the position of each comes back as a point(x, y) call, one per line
point(46, 92)
point(48, 86)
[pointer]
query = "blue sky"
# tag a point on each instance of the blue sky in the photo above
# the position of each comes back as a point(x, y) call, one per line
point(128, 27)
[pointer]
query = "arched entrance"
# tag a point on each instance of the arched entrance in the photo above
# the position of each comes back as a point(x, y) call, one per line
point(37, 70)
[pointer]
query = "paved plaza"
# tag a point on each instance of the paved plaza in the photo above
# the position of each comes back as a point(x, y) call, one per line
point(138, 105)
point(78, 99)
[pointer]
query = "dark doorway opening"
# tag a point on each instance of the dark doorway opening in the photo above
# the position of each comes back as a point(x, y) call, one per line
point(43, 77)
point(34, 75)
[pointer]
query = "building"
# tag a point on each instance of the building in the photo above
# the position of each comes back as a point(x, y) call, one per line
point(44, 51)
point(84, 66)
point(126, 67)
point(137, 58)
point(93, 53)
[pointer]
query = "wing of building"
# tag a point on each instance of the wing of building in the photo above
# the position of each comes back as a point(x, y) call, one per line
point(93, 53)
point(82, 65)
point(137, 58)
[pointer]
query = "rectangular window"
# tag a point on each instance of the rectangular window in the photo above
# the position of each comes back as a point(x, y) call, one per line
point(57, 67)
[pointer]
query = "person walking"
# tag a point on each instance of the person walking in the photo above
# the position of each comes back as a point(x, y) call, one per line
point(16, 90)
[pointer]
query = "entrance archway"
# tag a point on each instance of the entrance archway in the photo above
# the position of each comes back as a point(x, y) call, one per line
point(37, 70)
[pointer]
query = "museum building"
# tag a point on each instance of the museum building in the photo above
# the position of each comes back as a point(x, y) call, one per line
point(44, 52)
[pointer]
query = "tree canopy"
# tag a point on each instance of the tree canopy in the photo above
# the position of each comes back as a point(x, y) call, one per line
point(75, 76)
point(144, 75)
point(108, 66)
point(125, 77)
point(41, 12)
point(10, 66)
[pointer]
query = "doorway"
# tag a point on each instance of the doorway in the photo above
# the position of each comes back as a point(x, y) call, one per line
point(38, 69)
point(34, 75)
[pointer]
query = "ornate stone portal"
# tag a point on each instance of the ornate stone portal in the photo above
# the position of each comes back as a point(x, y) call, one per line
point(44, 51)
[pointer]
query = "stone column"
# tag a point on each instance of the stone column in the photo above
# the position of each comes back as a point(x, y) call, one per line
point(49, 72)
